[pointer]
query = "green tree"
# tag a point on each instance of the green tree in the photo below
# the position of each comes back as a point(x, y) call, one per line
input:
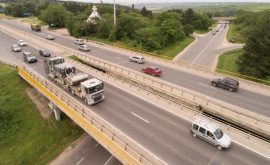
point(255, 61)
point(55, 13)
point(189, 16)
point(103, 29)
point(188, 29)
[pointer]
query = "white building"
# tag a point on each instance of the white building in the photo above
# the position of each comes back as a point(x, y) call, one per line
point(94, 15)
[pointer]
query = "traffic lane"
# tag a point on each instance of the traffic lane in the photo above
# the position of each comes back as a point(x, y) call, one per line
point(159, 128)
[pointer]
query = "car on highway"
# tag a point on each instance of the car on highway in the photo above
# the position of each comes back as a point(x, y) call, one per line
point(79, 41)
point(154, 71)
point(210, 132)
point(15, 48)
point(44, 53)
point(28, 57)
point(217, 30)
point(50, 37)
point(137, 59)
point(227, 83)
point(22, 43)
point(213, 33)
point(232, 41)
point(84, 48)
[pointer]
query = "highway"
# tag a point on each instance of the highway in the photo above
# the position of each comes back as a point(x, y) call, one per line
point(252, 101)
point(164, 134)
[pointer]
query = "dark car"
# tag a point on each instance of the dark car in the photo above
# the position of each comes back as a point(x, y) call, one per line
point(230, 84)
point(232, 41)
point(44, 53)
point(152, 70)
point(28, 57)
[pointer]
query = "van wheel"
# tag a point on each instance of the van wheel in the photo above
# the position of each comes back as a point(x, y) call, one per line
point(214, 84)
point(219, 147)
point(194, 135)
point(231, 89)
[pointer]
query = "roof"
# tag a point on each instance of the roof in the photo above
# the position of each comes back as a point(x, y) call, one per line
point(91, 83)
point(205, 123)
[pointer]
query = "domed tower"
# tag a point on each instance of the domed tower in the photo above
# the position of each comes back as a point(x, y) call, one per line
point(94, 15)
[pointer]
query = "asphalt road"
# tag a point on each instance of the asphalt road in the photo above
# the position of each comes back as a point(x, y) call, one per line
point(252, 101)
point(164, 134)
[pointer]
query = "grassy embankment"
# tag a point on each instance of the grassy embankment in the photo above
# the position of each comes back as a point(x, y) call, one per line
point(25, 137)
point(7, 16)
point(236, 32)
point(31, 20)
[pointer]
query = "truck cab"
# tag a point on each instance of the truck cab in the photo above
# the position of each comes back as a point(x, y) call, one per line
point(35, 27)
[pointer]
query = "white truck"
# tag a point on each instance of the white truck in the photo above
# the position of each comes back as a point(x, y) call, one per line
point(64, 74)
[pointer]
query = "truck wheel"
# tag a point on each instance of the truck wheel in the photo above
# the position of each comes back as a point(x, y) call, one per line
point(194, 135)
point(231, 89)
point(219, 147)
point(214, 84)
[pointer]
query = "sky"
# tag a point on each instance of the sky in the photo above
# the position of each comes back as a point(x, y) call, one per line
point(167, 1)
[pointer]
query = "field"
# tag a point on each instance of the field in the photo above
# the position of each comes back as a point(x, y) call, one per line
point(234, 32)
point(25, 137)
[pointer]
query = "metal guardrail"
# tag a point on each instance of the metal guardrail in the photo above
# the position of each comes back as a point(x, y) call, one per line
point(240, 116)
point(95, 126)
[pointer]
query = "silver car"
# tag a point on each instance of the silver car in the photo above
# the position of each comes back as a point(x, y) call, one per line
point(137, 59)
point(50, 37)
point(210, 132)
point(84, 48)
point(28, 57)
point(79, 41)
point(22, 43)
point(15, 48)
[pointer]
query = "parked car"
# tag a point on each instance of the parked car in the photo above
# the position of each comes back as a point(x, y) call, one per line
point(22, 43)
point(152, 70)
point(210, 132)
point(15, 48)
point(79, 41)
point(84, 48)
point(137, 59)
point(44, 53)
point(230, 84)
point(28, 57)
point(50, 37)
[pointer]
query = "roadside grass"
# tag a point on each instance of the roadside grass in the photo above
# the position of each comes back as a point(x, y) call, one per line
point(105, 41)
point(234, 32)
point(31, 20)
point(75, 58)
point(227, 65)
point(9, 17)
point(27, 138)
point(177, 47)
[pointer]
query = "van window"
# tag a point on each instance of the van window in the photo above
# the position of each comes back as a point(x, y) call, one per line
point(195, 126)
point(202, 130)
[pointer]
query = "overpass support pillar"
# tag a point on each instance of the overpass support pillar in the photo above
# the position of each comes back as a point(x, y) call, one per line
point(55, 110)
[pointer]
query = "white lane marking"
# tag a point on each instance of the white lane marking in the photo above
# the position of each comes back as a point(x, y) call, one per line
point(207, 85)
point(140, 117)
point(213, 158)
point(96, 145)
point(79, 161)
point(108, 160)
point(118, 57)
point(121, 62)
point(201, 51)
point(39, 59)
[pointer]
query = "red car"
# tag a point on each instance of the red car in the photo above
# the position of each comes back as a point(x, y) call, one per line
point(152, 70)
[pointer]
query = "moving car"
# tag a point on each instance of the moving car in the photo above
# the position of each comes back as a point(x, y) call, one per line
point(137, 59)
point(217, 30)
point(213, 33)
point(84, 48)
point(28, 57)
point(50, 37)
point(232, 41)
point(154, 71)
point(15, 48)
point(230, 84)
point(79, 41)
point(210, 132)
point(22, 43)
point(44, 53)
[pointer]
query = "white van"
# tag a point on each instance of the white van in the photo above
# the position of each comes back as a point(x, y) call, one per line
point(210, 132)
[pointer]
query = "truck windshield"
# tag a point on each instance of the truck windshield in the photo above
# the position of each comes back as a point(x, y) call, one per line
point(58, 61)
point(95, 88)
point(70, 70)
point(218, 134)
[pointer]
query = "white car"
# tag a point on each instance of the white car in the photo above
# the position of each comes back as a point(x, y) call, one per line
point(84, 48)
point(50, 37)
point(15, 48)
point(137, 59)
point(79, 41)
point(22, 43)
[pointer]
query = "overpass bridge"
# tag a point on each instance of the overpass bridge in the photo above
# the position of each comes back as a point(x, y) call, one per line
point(230, 19)
point(119, 145)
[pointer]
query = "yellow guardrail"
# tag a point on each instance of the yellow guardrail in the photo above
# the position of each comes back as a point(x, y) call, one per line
point(107, 141)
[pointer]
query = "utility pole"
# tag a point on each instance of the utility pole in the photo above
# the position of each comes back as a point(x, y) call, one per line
point(114, 22)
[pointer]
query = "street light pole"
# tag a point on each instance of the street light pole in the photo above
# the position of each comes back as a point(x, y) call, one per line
point(114, 13)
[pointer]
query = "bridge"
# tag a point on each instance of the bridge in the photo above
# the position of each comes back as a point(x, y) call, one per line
point(115, 141)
